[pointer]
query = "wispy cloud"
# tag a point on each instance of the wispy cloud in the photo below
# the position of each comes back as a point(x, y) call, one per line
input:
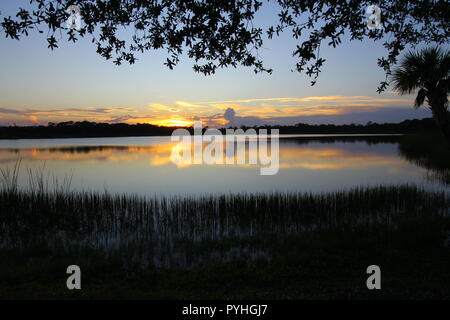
point(252, 111)
point(41, 116)
point(312, 98)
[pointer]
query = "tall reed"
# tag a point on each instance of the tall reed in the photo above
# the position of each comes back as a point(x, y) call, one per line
point(190, 231)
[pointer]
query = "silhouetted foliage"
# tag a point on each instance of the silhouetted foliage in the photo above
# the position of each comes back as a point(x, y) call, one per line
point(217, 34)
point(427, 72)
point(404, 127)
point(70, 129)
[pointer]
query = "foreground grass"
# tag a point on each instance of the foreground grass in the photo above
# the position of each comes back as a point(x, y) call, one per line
point(282, 246)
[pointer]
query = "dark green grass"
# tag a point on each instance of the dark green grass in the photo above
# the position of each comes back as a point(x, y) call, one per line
point(282, 246)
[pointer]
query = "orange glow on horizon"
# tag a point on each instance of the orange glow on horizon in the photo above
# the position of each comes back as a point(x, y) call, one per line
point(174, 123)
point(181, 113)
point(163, 122)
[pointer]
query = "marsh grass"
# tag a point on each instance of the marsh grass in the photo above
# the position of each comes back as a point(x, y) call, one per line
point(228, 245)
point(190, 232)
point(9, 177)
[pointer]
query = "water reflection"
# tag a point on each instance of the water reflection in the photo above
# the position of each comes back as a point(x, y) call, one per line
point(430, 152)
point(145, 165)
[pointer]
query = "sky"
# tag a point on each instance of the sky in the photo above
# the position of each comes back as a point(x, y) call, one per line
point(73, 83)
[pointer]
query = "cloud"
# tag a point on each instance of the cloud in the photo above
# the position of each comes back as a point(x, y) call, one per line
point(119, 119)
point(313, 98)
point(256, 111)
point(229, 115)
point(24, 115)
point(33, 119)
point(188, 104)
point(4, 110)
point(101, 110)
point(238, 112)
point(359, 116)
point(230, 105)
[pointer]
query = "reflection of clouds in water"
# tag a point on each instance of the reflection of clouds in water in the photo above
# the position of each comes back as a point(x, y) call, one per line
point(312, 156)
point(91, 154)
point(145, 165)
point(331, 158)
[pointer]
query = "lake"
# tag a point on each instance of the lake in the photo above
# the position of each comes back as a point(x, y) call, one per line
point(143, 165)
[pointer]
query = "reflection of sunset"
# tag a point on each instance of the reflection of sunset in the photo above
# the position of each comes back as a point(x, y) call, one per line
point(145, 165)
point(308, 157)
point(332, 158)
point(87, 154)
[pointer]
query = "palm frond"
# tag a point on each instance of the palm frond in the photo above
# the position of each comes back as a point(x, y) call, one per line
point(421, 69)
point(405, 80)
point(420, 98)
point(407, 77)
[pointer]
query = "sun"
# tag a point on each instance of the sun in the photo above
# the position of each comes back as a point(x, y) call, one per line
point(174, 123)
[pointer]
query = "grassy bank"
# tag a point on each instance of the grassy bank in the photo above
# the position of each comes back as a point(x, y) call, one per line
point(225, 246)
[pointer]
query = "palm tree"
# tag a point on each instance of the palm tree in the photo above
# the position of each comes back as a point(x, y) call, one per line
point(428, 72)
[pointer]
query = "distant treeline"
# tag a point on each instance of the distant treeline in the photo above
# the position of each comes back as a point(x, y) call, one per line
point(83, 129)
point(406, 126)
point(86, 129)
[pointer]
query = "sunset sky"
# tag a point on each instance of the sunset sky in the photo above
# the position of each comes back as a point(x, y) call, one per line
point(73, 82)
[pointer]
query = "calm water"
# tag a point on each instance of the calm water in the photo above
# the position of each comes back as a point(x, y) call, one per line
point(144, 165)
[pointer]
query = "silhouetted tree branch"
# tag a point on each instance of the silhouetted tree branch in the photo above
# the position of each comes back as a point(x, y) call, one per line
point(218, 34)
